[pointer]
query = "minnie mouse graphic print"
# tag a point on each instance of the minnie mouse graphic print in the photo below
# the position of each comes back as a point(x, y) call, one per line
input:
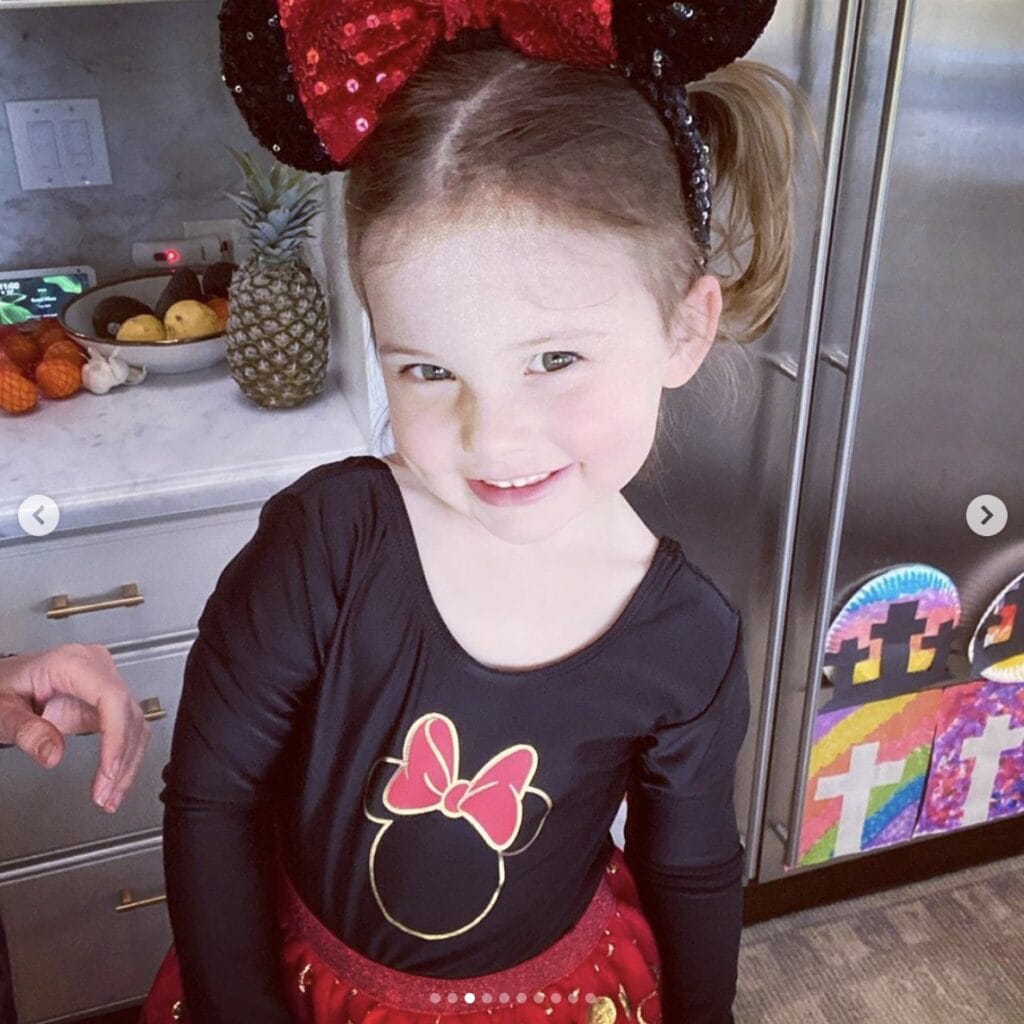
point(427, 779)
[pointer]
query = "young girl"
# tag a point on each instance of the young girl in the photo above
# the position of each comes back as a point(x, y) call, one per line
point(421, 691)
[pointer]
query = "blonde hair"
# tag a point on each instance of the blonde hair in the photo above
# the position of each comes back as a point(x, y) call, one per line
point(488, 126)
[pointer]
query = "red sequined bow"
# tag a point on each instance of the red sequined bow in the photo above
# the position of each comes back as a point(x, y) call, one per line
point(348, 56)
point(427, 780)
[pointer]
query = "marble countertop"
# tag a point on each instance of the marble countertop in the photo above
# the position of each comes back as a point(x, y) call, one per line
point(175, 443)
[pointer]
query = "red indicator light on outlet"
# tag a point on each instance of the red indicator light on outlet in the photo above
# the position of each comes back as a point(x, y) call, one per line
point(172, 256)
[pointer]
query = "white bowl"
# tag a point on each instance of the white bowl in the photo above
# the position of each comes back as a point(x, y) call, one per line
point(181, 356)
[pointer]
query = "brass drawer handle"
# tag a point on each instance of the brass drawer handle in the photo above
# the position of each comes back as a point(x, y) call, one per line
point(61, 608)
point(129, 902)
point(151, 709)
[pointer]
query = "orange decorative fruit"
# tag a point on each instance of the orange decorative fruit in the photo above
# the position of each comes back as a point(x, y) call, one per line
point(65, 348)
point(220, 307)
point(22, 350)
point(50, 337)
point(9, 331)
point(39, 325)
point(16, 393)
point(58, 378)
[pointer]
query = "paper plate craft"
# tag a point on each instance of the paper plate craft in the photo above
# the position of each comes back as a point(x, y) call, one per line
point(892, 636)
point(977, 769)
point(996, 650)
point(867, 776)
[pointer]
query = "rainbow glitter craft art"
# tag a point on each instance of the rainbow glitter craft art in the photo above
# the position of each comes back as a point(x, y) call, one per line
point(892, 636)
point(867, 776)
point(996, 650)
point(977, 770)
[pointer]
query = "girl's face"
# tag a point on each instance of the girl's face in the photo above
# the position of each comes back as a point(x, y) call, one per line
point(512, 349)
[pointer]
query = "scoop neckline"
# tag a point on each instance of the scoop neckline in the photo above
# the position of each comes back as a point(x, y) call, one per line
point(416, 575)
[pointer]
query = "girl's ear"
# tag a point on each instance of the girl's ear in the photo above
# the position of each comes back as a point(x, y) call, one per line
point(695, 327)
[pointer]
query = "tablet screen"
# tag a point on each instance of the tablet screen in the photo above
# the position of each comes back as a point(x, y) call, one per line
point(35, 293)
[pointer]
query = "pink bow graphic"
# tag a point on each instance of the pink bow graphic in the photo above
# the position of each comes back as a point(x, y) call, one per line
point(427, 780)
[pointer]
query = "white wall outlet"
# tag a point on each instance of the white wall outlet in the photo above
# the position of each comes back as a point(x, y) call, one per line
point(230, 233)
point(59, 143)
point(176, 252)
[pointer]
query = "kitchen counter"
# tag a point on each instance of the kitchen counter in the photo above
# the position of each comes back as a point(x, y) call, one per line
point(173, 444)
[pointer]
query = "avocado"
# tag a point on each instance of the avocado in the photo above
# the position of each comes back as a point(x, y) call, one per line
point(183, 285)
point(216, 279)
point(113, 311)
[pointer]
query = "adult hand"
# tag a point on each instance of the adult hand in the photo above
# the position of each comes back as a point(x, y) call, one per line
point(67, 690)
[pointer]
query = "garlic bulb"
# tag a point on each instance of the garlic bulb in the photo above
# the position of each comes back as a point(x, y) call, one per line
point(132, 374)
point(102, 372)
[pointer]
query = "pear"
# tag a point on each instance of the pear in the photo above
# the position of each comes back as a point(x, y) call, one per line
point(191, 319)
point(144, 327)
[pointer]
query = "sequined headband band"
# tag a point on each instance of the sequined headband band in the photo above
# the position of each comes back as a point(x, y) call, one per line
point(311, 76)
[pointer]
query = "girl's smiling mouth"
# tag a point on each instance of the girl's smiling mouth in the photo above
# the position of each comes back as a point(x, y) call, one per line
point(510, 492)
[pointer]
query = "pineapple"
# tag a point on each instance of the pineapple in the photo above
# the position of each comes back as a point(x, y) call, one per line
point(277, 344)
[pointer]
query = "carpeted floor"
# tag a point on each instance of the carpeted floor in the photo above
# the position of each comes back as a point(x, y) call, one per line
point(948, 950)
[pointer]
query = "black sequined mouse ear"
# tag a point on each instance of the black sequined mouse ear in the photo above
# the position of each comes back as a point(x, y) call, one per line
point(662, 46)
point(254, 61)
point(694, 38)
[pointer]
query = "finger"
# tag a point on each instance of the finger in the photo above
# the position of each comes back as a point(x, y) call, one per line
point(71, 716)
point(39, 739)
point(117, 713)
point(132, 763)
point(109, 790)
point(119, 728)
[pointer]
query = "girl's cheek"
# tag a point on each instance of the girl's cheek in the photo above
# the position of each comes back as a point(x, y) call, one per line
point(418, 420)
point(611, 410)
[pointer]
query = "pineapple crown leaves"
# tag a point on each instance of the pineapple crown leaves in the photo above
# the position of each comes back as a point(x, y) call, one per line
point(277, 207)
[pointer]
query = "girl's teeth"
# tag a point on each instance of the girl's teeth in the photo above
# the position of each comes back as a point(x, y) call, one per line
point(519, 481)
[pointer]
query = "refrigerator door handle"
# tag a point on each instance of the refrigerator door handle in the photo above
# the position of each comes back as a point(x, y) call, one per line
point(782, 363)
point(848, 417)
point(785, 365)
point(844, 60)
point(838, 359)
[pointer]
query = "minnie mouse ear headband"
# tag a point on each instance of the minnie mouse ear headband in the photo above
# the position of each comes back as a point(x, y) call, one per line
point(311, 76)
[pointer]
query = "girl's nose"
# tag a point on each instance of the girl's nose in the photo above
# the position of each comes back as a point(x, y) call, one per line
point(492, 424)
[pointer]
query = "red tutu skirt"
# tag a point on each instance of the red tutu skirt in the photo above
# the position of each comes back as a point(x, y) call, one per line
point(604, 970)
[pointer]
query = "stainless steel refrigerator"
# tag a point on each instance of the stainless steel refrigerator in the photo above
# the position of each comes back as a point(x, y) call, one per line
point(888, 394)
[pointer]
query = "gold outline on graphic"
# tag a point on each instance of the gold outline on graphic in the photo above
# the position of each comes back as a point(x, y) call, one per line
point(386, 823)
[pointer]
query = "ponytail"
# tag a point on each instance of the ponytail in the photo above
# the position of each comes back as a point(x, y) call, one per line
point(749, 129)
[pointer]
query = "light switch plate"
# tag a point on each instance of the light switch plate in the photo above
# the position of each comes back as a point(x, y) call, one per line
point(59, 143)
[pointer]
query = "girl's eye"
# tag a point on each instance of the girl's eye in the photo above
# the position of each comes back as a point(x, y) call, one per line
point(551, 361)
point(426, 367)
point(559, 360)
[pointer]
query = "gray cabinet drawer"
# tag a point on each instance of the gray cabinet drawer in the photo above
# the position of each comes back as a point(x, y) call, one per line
point(71, 951)
point(54, 808)
point(173, 564)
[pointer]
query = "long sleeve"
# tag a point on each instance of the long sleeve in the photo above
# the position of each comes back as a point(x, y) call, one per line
point(258, 652)
point(683, 847)
point(7, 1014)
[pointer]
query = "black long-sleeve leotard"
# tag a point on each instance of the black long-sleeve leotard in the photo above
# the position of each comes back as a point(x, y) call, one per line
point(322, 666)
